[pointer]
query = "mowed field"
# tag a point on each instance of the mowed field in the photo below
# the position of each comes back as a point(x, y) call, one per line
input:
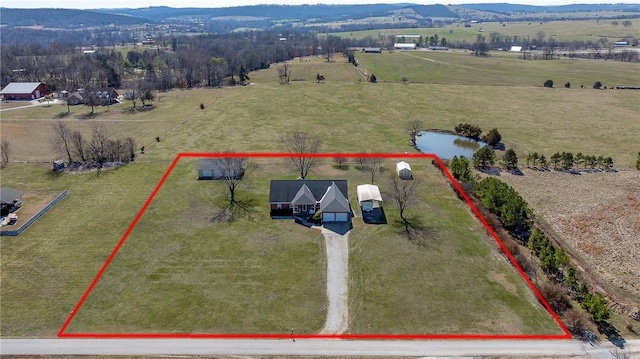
point(179, 272)
point(582, 30)
point(47, 268)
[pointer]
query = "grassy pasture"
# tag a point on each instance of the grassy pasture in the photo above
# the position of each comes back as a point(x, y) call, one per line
point(435, 286)
point(178, 272)
point(584, 30)
point(46, 269)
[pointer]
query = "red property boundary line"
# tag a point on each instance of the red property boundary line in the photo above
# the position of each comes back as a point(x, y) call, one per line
point(63, 334)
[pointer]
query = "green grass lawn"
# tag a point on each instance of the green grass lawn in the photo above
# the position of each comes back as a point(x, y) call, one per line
point(179, 272)
point(47, 268)
point(453, 281)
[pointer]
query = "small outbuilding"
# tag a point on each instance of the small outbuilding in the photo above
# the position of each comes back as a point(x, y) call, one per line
point(10, 200)
point(218, 168)
point(369, 197)
point(404, 170)
point(404, 46)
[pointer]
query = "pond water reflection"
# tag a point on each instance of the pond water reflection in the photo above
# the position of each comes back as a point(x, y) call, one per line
point(446, 145)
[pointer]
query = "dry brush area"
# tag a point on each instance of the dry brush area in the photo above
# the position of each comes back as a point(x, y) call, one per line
point(596, 216)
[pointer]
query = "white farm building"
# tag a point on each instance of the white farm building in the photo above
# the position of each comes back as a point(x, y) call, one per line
point(404, 170)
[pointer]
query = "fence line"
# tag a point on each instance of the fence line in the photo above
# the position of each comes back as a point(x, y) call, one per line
point(36, 216)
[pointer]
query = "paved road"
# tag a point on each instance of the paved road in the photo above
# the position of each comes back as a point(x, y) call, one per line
point(316, 347)
point(337, 247)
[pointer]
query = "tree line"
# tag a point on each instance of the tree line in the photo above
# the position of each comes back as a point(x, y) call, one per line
point(567, 161)
point(184, 61)
point(563, 282)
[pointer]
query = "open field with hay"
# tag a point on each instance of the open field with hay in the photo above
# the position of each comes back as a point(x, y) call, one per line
point(47, 268)
point(582, 30)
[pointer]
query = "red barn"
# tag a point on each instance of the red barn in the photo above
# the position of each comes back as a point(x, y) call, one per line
point(24, 91)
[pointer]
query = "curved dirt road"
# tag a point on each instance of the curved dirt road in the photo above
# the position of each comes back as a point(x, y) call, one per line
point(337, 248)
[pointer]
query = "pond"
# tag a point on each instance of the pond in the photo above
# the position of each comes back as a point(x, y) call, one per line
point(446, 145)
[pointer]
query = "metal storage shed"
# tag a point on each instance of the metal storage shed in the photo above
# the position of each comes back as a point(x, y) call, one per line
point(404, 170)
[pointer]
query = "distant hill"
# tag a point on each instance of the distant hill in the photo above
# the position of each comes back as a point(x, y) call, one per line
point(64, 18)
point(506, 8)
point(275, 12)
point(433, 11)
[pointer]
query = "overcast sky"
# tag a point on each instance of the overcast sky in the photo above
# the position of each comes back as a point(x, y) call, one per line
point(88, 4)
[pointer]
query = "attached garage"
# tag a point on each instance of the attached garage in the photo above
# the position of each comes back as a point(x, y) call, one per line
point(334, 205)
point(342, 217)
point(328, 217)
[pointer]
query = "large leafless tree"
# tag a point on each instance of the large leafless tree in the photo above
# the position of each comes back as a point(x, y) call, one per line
point(373, 165)
point(403, 193)
point(300, 145)
point(61, 140)
point(284, 73)
point(5, 152)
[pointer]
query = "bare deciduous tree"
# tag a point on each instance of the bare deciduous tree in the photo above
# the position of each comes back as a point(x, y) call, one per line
point(98, 145)
point(414, 127)
point(284, 73)
point(78, 144)
point(232, 169)
point(340, 161)
point(5, 152)
point(61, 140)
point(231, 172)
point(361, 161)
point(300, 144)
point(403, 194)
point(91, 98)
point(373, 165)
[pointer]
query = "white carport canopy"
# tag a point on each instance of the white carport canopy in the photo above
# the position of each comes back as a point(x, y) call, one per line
point(368, 192)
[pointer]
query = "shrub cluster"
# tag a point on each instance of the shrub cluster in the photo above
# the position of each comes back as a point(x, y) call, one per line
point(468, 130)
point(502, 200)
point(551, 259)
point(484, 157)
point(460, 169)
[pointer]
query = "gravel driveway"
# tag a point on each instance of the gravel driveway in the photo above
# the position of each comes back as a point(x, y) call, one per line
point(337, 281)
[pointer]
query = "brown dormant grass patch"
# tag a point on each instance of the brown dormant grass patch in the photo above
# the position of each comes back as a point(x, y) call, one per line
point(596, 217)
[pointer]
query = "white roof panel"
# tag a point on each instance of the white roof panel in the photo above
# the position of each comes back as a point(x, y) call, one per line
point(368, 192)
point(20, 87)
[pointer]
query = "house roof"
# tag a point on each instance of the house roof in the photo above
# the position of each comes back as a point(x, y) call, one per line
point(220, 164)
point(402, 165)
point(20, 87)
point(368, 192)
point(8, 195)
point(285, 191)
point(304, 196)
point(334, 201)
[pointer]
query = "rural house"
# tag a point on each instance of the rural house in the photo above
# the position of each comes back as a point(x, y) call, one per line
point(107, 96)
point(24, 91)
point(303, 198)
point(404, 170)
point(218, 168)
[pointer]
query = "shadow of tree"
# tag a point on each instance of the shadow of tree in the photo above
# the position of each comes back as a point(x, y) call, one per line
point(416, 231)
point(229, 212)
